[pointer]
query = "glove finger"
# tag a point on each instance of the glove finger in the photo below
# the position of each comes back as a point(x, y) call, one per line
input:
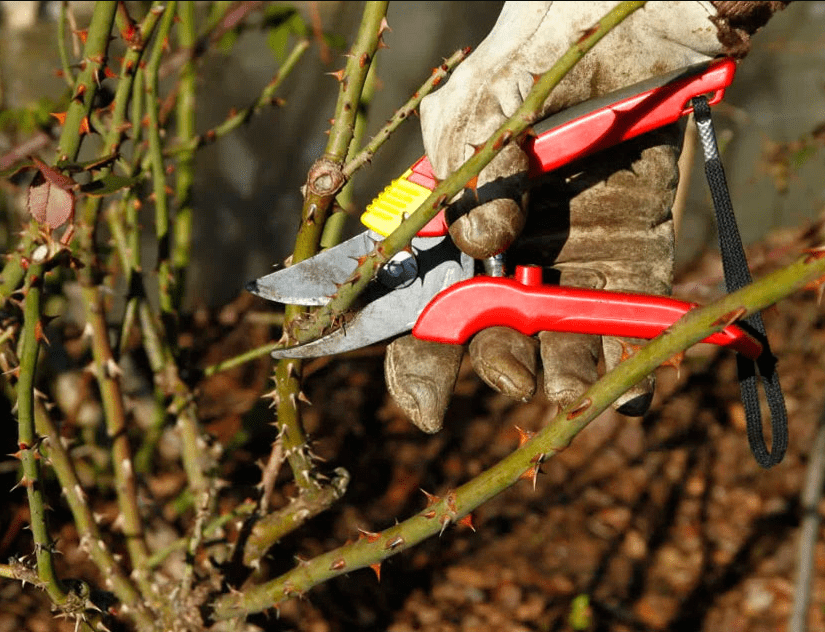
point(636, 401)
point(486, 220)
point(420, 377)
point(506, 360)
point(569, 362)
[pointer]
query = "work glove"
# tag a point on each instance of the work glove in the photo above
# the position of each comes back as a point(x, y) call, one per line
point(603, 222)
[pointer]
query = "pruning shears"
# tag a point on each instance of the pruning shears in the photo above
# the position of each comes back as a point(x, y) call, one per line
point(433, 289)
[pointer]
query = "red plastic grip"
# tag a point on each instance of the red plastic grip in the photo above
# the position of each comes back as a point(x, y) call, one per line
point(625, 119)
point(458, 312)
point(620, 119)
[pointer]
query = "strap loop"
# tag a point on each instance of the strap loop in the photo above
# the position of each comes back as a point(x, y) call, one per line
point(737, 275)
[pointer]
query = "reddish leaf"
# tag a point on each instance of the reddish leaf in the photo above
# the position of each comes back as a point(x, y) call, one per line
point(53, 175)
point(51, 200)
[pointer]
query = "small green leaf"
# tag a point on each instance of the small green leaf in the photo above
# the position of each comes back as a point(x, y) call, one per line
point(108, 185)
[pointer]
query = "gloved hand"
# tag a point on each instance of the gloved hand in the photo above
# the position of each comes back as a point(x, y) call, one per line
point(603, 222)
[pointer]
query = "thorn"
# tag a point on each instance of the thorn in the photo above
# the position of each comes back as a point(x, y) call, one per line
point(430, 514)
point(78, 96)
point(39, 335)
point(359, 261)
point(113, 371)
point(445, 520)
point(303, 398)
point(472, 185)
point(579, 408)
point(587, 33)
point(628, 349)
point(814, 253)
point(384, 26)
point(524, 436)
point(338, 74)
point(369, 536)
point(731, 317)
point(394, 543)
point(364, 60)
point(291, 370)
point(81, 35)
point(338, 565)
point(311, 211)
point(274, 396)
point(676, 363)
point(23, 482)
point(467, 521)
point(818, 285)
point(377, 570)
point(431, 499)
point(532, 474)
point(503, 140)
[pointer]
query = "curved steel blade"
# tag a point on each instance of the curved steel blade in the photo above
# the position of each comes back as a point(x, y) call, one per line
point(440, 264)
point(314, 280)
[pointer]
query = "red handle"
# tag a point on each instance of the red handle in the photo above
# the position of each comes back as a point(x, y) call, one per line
point(623, 119)
point(457, 313)
point(601, 123)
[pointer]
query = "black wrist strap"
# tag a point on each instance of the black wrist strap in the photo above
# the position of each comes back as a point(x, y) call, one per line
point(737, 275)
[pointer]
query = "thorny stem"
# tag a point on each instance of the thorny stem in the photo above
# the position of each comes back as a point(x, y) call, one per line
point(66, 67)
point(240, 117)
point(69, 145)
point(126, 81)
point(243, 358)
point(105, 367)
point(511, 130)
point(185, 168)
point(166, 281)
point(334, 226)
point(108, 377)
point(87, 528)
point(324, 182)
point(526, 461)
point(274, 526)
point(86, 86)
point(403, 113)
point(28, 442)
